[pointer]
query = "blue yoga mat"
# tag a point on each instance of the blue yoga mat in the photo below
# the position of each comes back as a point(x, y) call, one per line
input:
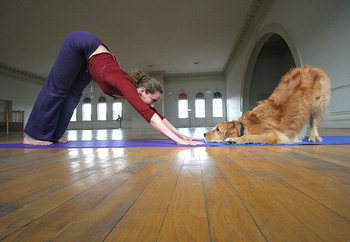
point(327, 140)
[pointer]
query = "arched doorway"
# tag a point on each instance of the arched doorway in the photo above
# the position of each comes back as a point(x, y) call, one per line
point(273, 58)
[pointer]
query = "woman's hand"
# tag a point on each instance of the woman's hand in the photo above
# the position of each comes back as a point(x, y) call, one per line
point(190, 138)
point(164, 127)
point(189, 142)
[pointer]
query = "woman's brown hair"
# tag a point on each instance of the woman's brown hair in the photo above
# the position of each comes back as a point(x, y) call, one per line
point(142, 79)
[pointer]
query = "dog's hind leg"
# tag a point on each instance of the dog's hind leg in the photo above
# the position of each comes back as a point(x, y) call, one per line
point(317, 112)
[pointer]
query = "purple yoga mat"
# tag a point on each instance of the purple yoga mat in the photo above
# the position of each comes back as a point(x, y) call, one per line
point(327, 140)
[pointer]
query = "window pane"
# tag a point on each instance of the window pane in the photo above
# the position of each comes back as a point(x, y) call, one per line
point(117, 110)
point(87, 112)
point(74, 116)
point(102, 111)
point(217, 107)
point(200, 108)
point(183, 108)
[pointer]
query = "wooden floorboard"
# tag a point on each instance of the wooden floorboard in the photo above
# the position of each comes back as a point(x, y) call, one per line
point(256, 193)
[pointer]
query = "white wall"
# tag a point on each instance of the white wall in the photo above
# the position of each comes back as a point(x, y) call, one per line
point(21, 92)
point(191, 85)
point(318, 34)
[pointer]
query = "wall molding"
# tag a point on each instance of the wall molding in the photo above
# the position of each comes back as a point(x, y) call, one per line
point(339, 113)
point(339, 120)
point(248, 21)
point(19, 74)
point(195, 75)
point(339, 117)
point(340, 87)
point(256, 13)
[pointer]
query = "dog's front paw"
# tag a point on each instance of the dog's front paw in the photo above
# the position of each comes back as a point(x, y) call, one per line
point(230, 141)
point(315, 138)
point(240, 141)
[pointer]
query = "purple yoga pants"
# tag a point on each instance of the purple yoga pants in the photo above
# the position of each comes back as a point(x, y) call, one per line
point(63, 88)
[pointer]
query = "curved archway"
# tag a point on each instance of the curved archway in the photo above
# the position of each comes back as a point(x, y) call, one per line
point(270, 59)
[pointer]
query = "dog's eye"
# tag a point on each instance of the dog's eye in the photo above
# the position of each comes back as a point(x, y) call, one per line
point(217, 129)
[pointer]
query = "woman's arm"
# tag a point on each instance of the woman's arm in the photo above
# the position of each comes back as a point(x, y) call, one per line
point(176, 131)
point(162, 126)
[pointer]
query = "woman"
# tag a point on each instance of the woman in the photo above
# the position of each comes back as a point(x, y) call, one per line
point(83, 57)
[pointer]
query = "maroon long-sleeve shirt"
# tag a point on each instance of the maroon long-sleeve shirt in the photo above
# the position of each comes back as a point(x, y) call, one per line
point(114, 81)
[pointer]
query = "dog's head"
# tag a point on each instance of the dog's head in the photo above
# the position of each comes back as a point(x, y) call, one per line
point(223, 131)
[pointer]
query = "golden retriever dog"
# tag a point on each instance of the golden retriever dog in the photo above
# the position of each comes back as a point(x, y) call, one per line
point(301, 96)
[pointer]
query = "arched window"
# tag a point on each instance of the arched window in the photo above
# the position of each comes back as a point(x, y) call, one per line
point(117, 109)
point(87, 109)
point(200, 105)
point(183, 106)
point(217, 105)
point(102, 109)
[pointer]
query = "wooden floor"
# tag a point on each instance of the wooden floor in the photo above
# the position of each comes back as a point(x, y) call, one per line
point(257, 193)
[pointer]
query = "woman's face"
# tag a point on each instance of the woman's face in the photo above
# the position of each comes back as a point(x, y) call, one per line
point(148, 98)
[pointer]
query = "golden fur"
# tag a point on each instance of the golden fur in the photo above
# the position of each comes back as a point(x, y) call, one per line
point(301, 95)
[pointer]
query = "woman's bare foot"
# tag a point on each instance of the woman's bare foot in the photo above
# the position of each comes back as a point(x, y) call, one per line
point(30, 141)
point(61, 140)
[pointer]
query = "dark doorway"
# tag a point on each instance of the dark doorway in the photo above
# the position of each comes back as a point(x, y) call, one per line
point(5, 105)
point(273, 61)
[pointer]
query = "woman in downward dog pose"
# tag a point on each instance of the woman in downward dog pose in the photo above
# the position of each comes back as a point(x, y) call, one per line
point(83, 57)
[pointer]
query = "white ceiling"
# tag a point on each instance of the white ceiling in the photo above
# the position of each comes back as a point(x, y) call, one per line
point(170, 35)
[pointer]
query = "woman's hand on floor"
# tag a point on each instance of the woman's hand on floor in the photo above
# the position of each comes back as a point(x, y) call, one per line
point(189, 142)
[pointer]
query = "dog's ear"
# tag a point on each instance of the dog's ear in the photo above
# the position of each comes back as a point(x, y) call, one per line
point(221, 127)
point(232, 129)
